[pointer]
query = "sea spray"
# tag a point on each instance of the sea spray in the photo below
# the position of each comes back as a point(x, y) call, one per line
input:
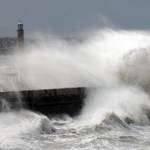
point(118, 92)
point(55, 63)
point(128, 103)
point(97, 61)
point(15, 125)
point(4, 105)
point(134, 69)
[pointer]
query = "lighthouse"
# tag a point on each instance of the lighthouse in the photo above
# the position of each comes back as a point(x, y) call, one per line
point(20, 35)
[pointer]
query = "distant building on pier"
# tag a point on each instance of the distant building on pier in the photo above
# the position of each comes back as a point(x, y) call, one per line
point(7, 44)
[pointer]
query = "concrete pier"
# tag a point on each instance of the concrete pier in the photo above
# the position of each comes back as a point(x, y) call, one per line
point(49, 101)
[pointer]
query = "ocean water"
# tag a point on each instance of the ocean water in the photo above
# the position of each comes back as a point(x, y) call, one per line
point(113, 64)
point(27, 130)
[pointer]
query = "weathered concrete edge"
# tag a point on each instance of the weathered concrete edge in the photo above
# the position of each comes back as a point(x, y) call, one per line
point(48, 101)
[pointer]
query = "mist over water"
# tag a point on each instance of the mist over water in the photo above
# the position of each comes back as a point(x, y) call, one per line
point(113, 64)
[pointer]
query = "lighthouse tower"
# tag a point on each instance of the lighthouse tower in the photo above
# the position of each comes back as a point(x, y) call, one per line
point(20, 35)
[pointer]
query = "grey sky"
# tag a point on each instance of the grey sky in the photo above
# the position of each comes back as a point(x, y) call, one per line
point(67, 17)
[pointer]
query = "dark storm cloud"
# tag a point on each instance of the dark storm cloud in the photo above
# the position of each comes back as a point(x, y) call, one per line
point(72, 16)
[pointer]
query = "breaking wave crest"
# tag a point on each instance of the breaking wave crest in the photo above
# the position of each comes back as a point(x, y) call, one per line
point(16, 124)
